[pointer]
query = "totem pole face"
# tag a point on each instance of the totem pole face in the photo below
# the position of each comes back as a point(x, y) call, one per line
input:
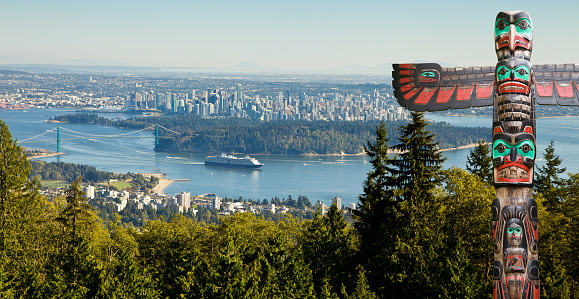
point(513, 35)
point(514, 234)
point(513, 76)
point(513, 156)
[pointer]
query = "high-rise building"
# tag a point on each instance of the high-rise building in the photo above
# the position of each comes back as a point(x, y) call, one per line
point(184, 200)
point(337, 201)
point(239, 94)
point(89, 190)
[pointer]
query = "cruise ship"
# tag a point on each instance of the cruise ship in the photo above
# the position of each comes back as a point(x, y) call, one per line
point(232, 161)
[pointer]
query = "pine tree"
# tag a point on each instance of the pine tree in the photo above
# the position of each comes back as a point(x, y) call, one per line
point(479, 162)
point(547, 180)
point(377, 215)
point(21, 210)
point(327, 248)
point(397, 219)
point(417, 167)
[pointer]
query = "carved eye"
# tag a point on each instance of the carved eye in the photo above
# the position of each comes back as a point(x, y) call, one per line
point(502, 24)
point(503, 71)
point(522, 71)
point(523, 24)
point(525, 148)
point(500, 148)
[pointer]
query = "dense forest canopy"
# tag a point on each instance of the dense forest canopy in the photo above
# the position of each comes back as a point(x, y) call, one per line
point(274, 137)
point(428, 237)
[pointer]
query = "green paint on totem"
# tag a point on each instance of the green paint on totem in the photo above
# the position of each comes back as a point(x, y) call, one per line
point(524, 26)
point(522, 72)
point(501, 27)
point(511, 230)
point(427, 74)
point(525, 148)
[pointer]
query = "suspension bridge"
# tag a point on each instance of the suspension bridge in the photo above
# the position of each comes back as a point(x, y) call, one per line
point(80, 135)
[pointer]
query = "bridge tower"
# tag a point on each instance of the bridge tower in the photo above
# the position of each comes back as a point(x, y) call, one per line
point(156, 134)
point(58, 139)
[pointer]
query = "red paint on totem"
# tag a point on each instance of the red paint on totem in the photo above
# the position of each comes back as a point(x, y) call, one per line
point(564, 91)
point(406, 80)
point(444, 95)
point(545, 90)
point(405, 72)
point(503, 42)
point(484, 92)
point(424, 96)
point(412, 93)
point(498, 130)
point(528, 130)
point(514, 87)
point(406, 88)
point(464, 93)
point(521, 42)
point(406, 66)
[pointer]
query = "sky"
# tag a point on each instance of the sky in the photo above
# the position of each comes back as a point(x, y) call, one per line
point(290, 34)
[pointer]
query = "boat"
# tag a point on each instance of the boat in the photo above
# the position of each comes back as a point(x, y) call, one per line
point(232, 161)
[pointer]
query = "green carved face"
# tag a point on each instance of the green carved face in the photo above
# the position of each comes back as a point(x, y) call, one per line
point(514, 234)
point(525, 149)
point(522, 72)
point(522, 26)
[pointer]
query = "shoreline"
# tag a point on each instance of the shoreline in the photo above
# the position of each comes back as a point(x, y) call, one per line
point(164, 182)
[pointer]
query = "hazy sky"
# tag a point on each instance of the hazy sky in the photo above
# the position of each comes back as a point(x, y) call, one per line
point(272, 33)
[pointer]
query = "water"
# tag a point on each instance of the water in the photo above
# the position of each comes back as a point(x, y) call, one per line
point(318, 178)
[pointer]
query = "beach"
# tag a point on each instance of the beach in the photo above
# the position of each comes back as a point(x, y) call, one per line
point(163, 182)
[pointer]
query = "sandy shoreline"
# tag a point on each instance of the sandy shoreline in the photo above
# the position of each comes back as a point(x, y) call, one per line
point(44, 155)
point(163, 182)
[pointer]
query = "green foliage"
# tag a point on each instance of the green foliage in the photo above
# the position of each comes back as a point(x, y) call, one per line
point(480, 162)
point(328, 250)
point(420, 232)
point(547, 180)
point(68, 172)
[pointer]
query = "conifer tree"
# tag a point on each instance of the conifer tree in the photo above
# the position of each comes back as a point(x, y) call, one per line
point(397, 220)
point(21, 210)
point(479, 162)
point(327, 248)
point(547, 180)
point(417, 168)
point(377, 215)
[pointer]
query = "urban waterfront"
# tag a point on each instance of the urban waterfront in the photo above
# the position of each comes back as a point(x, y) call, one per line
point(317, 177)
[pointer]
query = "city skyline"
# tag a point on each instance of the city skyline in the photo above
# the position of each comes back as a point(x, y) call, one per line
point(260, 35)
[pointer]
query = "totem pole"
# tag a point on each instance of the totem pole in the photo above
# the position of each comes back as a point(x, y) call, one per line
point(512, 87)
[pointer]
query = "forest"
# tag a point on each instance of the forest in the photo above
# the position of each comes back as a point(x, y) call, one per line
point(69, 172)
point(234, 135)
point(420, 231)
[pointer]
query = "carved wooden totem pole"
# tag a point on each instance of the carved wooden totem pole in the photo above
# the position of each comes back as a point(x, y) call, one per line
point(512, 87)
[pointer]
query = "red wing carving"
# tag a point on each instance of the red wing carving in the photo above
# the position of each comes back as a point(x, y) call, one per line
point(556, 84)
point(430, 87)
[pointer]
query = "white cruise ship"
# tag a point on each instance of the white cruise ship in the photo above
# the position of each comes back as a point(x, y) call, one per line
point(232, 161)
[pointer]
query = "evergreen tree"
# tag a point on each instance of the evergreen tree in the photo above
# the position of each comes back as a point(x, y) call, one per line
point(417, 168)
point(21, 228)
point(547, 180)
point(398, 216)
point(327, 248)
point(378, 216)
point(479, 162)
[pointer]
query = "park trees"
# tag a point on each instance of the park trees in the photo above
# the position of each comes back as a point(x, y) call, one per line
point(479, 162)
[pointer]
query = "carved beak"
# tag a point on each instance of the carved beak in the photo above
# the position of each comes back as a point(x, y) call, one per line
point(512, 37)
